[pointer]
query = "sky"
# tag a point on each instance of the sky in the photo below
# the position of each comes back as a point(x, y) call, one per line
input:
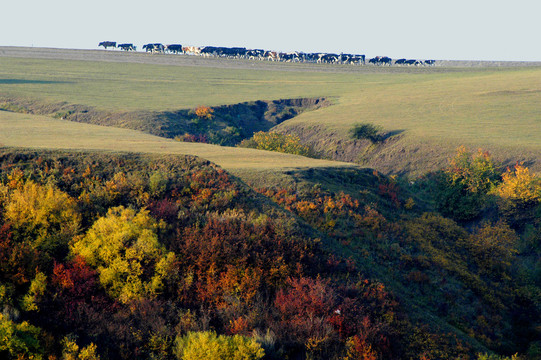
point(413, 29)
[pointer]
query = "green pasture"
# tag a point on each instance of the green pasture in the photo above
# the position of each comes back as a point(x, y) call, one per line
point(501, 107)
point(494, 108)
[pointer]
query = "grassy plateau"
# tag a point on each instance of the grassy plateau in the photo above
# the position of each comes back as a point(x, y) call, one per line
point(431, 109)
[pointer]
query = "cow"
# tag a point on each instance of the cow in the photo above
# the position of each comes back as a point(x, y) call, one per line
point(154, 48)
point(411, 62)
point(238, 52)
point(192, 50)
point(107, 44)
point(289, 57)
point(374, 60)
point(345, 58)
point(173, 48)
point(330, 58)
point(400, 62)
point(358, 59)
point(311, 57)
point(386, 60)
point(209, 51)
point(430, 62)
point(127, 47)
point(272, 56)
point(254, 54)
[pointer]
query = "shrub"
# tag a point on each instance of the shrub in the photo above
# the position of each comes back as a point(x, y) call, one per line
point(463, 186)
point(273, 141)
point(367, 131)
point(204, 112)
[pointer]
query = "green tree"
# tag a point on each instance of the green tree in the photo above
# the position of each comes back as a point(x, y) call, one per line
point(367, 131)
point(465, 183)
point(123, 246)
point(19, 341)
point(493, 247)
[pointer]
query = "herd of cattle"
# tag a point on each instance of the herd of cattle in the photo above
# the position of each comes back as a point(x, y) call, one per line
point(259, 54)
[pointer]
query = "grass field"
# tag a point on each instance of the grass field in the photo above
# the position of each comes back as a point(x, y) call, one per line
point(32, 131)
point(434, 109)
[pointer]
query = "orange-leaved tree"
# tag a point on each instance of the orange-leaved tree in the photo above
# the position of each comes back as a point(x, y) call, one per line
point(204, 112)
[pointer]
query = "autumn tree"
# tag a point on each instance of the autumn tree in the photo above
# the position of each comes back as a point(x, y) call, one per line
point(210, 346)
point(19, 340)
point(123, 246)
point(204, 112)
point(493, 247)
point(465, 183)
point(72, 351)
point(518, 194)
point(43, 216)
point(273, 141)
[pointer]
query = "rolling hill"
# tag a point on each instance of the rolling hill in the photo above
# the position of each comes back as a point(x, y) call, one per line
point(119, 241)
point(432, 110)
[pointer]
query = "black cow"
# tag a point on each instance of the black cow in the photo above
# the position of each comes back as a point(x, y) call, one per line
point(107, 44)
point(430, 62)
point(400, 62)
point(386, 60)
point(311, 57)
point(378, 60)
point(411, 62)
point(126, 47)
point(238, 52)
point(209, 50)
point(173, 48)
point(374, 60)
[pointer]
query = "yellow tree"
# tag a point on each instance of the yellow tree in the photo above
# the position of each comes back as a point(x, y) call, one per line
point(519, 193)
point(43, 216)
point(123, 246)
point(207, 345)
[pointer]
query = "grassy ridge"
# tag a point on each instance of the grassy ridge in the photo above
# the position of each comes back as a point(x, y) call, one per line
point(32, 131)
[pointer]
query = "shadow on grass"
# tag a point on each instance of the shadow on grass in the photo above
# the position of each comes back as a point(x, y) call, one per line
point(24, 81)
point(390, 134)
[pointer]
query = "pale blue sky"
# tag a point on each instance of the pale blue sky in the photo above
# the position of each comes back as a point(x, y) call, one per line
point(423, 29)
